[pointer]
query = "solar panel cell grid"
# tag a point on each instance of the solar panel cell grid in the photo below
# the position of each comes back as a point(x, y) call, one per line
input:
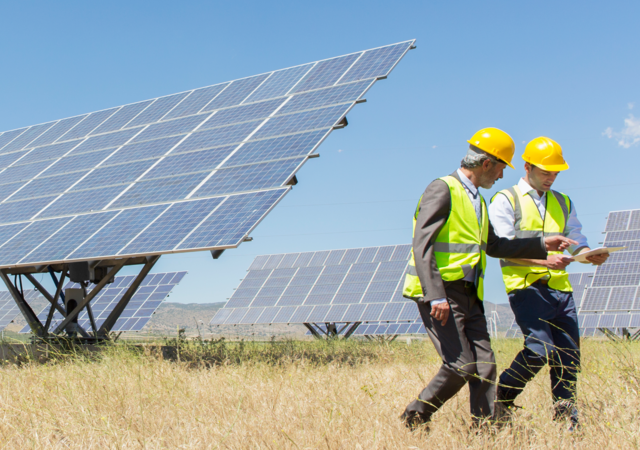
point(245, 103)
point(606, 321)
point(617, 221)
point(284, 315)
point(621, 298)
point(325, 73)
point(268, 315)
point(341, 284)
point(235, 93)
point(279, 83)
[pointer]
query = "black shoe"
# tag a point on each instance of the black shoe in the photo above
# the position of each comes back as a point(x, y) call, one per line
point(415, 421)
point(503, 408)
point(566, 410)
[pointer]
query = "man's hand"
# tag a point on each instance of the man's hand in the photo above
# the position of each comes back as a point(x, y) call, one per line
point(596, 260)
point(558, 262)
point(558, 243)
point(440, 312)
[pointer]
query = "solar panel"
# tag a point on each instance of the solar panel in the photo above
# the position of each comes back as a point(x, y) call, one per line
point(379, 328)
point(189, 171)
point(152, 291)
point(349, 285)
point(9, 310)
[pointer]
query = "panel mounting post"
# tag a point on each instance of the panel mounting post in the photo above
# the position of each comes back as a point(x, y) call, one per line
point(25, 309)
point(108, 324)
point(114, 270)
point(313, 331)
point(54, 300)
point(352, 329)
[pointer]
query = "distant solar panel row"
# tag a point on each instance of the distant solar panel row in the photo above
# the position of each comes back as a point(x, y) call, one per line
point(152, 291)
point(355, 285)
point(194, 170)
point(589, 323)
point(615, 283)
point(390, 329)
point(381, 328)
point(9, 309)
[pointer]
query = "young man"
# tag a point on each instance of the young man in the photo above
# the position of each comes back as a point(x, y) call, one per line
point(539, 290)
point(452, 236)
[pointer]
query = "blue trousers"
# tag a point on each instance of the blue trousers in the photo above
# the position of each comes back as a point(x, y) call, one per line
point(549, 323)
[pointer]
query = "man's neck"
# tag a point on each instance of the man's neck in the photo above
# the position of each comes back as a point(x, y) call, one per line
point(526, 178)
point(471, 176)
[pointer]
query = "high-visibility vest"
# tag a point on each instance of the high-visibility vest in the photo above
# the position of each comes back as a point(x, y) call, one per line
point(460, 245)
point(528, 223)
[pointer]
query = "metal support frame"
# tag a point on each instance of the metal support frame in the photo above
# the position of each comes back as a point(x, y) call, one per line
point(89, 310)
point(625, 334)
point(114, 270)
point(108, 324)
point(54, 300)
point(352, 330)
point(333, 331)
point(25, 309)
point(381, 337)
point(313, 331)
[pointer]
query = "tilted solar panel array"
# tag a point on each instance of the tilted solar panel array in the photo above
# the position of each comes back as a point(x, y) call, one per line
point(190, 171)
point(354, 285)
point(390, 328)
point(9, 310)
point(615, 283)
point(580, 283)
point(612, 299)
point(381, 328)
point(152, 291)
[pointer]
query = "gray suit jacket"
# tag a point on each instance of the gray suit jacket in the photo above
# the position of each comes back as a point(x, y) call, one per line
point(433, 213)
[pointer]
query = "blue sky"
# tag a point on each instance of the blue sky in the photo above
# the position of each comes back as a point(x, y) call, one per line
point(567, 70)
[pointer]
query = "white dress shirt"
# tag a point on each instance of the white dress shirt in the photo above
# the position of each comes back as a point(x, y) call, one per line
point(475, 197)
point(503, 218)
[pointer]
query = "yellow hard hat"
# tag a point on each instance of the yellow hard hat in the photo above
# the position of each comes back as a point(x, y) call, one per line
point(495, 142)
point(545, 153)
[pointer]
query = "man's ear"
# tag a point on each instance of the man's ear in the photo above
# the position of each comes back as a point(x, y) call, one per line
point(487, 164)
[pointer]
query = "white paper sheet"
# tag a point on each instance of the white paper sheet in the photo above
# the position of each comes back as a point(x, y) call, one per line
point(582, 257)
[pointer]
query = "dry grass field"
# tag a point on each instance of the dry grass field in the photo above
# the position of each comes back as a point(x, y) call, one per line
point(294, 395)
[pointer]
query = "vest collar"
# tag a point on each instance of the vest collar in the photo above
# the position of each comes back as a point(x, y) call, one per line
point(466, 182)
point(526, 188)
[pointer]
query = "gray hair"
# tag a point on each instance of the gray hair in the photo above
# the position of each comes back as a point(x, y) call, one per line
point(476, 157)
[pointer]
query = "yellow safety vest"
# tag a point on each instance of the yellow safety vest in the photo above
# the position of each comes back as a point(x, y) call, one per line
point(459, 246)
point(528, 223)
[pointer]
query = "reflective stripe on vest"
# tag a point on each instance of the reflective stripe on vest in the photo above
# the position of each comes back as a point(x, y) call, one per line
point(528, 223)
point(459, 246)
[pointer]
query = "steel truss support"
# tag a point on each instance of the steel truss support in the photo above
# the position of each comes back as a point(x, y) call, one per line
point(625, 334)
point(73, 314)
point(108, 324)
point(332, 330)
point(54, 300)
point(25, 309)
point(381, 337)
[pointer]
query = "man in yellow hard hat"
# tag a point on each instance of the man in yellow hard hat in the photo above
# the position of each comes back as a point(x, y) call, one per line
point(539, 290)
point(452, 236)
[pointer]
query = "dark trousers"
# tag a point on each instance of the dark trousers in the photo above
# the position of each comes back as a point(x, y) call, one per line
point(549, 323)
point(465, 348)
